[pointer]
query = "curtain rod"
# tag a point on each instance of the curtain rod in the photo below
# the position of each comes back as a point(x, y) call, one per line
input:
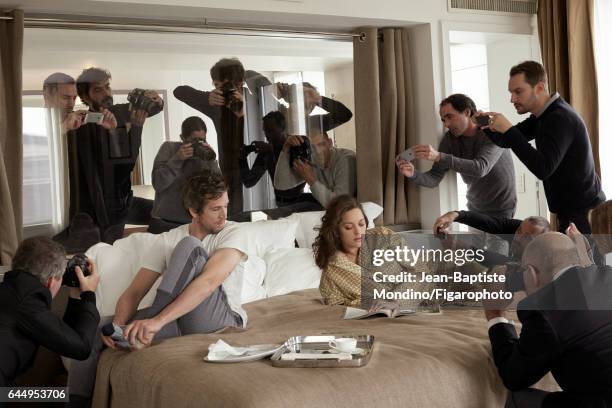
point(158, 26)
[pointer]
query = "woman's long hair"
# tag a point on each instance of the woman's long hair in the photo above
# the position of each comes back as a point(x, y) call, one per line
point(328, 241)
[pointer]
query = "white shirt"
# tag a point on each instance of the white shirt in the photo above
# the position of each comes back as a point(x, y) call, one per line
point(159, 256)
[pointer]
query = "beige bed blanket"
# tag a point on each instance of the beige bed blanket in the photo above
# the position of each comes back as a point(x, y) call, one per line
point(418, 361)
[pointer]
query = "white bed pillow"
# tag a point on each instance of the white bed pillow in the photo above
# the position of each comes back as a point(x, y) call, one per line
point(308, 222)
point(252, 284)
point(267, 235)
point(291, 269)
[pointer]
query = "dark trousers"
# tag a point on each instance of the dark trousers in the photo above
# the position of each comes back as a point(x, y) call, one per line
point(579, 218)
point(139, 213)
point(158, 225)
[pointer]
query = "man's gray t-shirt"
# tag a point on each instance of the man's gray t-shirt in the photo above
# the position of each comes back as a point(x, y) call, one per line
point(487, 170)
point(169, 175)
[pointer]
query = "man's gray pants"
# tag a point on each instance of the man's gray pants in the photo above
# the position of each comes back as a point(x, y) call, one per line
point(187, 261)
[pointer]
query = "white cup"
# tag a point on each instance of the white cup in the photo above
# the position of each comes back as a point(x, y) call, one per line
point(344, 344)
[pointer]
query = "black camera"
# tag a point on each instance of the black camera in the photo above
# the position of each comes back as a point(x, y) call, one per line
point(300, 152)
point(70, 278)
point(247, 149)
point(483, 120)
point(141, 102)
point(228, 89)
point(203, 151)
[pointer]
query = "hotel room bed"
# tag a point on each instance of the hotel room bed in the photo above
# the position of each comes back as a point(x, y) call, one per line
point(418, 361)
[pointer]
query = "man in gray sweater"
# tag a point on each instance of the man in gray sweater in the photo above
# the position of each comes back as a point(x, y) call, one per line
point(485, 168)
point(331, 173)
point(174, 164)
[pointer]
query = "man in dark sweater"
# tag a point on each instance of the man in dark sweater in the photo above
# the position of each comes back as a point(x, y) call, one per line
point(101, 159)
point(26, 320)
point(566, 329)
point(562, 158)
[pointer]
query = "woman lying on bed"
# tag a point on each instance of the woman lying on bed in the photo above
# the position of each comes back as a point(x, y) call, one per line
point(345, 258)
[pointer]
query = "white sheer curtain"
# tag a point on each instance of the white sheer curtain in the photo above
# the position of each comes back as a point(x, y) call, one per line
point(60, 190)
point(45, 171)
point(603, 57)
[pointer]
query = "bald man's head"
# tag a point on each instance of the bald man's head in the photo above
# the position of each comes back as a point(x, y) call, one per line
point(546, 255)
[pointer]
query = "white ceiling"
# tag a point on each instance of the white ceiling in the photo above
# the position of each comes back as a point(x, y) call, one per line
point(157, 10)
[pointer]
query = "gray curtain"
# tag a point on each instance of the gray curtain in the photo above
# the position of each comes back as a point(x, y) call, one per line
point(384, 122)
point(11, 50)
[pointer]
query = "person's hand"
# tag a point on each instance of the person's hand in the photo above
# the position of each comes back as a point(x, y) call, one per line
point(312, 98)
point(108, 341)
point(185, 151)
point(141, 331)
point(262, 147)
point(74, 120)
point(405, 167)
point(292, 140)
point(380, 304)
point(493, 313)
point(443, 222)
point(88, 283)
point(215, 98)
point(138, 117)
point(426, 152)
point(572, 231)
point(108, 121)
point(305, 171)
point(498, 122)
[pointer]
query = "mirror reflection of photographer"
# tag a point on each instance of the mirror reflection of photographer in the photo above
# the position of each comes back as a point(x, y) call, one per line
point(102, 158)
point(26, 320)
point(174, 164)
point(274, 127)
point(329, 171)
point(60, 93)
point(225, 105)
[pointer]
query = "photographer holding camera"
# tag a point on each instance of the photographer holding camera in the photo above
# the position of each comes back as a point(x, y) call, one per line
point(174, 164)
point(329, 171)
point(102, 159)
point(225, 106)
point(26, 320)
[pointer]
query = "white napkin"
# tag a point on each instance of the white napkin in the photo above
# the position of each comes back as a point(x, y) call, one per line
point(221, 350)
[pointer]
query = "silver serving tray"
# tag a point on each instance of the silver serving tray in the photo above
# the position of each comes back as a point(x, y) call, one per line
point(320, 344)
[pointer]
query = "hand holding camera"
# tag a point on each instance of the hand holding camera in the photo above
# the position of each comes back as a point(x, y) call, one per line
point(496, 121)
point(81, 273)
point(185, 151)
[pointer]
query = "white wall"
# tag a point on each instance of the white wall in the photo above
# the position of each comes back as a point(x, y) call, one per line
point(339, 86)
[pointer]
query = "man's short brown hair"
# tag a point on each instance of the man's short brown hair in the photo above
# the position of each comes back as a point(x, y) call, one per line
point(201, 188)
point(533, 71)
point(89, 76)
point(230, 69)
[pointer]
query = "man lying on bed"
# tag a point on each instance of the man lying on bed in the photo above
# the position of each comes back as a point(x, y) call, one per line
point(201, 267)
point(567, 329)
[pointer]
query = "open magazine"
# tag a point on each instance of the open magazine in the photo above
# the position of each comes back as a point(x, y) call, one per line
point(353, 313)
